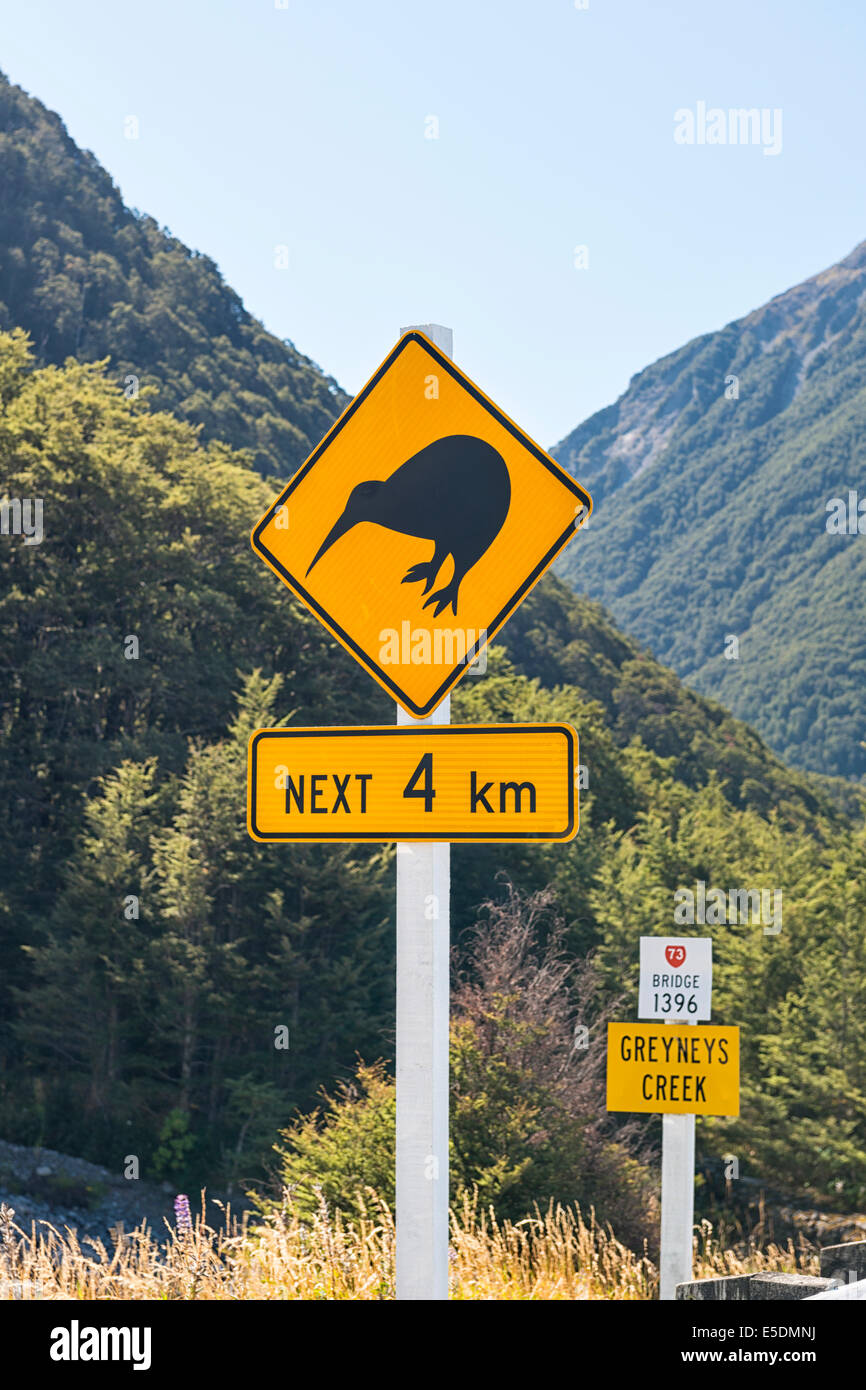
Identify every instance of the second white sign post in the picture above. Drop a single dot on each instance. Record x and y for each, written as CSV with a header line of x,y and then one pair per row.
x,y
676,981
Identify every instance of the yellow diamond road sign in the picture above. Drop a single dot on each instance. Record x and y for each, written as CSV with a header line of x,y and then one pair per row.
x,y
470,782
419,524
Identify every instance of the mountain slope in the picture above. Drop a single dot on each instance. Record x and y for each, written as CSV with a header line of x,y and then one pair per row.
x,y
712,477
87,277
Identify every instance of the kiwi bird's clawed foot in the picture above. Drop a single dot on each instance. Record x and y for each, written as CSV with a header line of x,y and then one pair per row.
x,y
442,598
416,573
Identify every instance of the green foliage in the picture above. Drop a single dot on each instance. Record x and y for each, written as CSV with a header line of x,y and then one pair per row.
x,y
712,517
343,1147
796,993
561,637
124,779
811,1048
88,277
175,1145
527,1117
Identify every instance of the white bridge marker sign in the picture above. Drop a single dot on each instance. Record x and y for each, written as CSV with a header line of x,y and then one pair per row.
x,y
676,977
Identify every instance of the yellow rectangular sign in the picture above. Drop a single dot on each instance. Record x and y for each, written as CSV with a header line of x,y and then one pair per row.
x,y
470,782
673,1069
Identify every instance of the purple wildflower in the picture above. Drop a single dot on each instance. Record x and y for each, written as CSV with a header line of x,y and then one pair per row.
x,y
182,1213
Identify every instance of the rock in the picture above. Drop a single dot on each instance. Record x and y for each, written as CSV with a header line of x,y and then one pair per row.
x,y
93,1200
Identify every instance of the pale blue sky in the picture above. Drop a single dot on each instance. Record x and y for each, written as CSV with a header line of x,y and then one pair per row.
x,y
305,126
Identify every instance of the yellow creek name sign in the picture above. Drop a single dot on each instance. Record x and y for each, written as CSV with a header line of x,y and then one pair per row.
x,y
673,1069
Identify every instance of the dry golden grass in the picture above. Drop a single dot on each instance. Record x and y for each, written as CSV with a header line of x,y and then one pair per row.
x,y
554,1255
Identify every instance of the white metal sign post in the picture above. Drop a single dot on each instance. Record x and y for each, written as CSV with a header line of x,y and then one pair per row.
x,y
676,975
678,1203
423,984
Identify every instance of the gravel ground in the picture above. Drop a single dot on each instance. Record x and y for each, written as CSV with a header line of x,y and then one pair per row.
x,y
43,1185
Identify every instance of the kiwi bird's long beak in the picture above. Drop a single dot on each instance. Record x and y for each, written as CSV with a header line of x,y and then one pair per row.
x,y
337,530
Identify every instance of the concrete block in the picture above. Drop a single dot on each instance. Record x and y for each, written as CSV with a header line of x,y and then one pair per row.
x,y
727,1288
847,1262
850,1293
765,1287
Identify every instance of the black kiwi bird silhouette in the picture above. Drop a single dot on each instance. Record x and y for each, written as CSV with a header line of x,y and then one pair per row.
x,y
454,492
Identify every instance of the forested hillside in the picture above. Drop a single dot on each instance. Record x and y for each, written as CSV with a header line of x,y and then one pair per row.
x,y
90,278
714,478
151,948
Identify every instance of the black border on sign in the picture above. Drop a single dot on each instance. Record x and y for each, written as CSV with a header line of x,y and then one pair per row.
x,y
407,731
445,364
